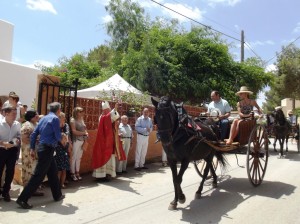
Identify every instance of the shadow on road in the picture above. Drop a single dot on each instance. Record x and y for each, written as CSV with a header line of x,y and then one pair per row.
x,y
230,193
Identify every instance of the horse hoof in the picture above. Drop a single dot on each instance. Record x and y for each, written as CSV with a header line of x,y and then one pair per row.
x,y
172,207
182,200
198,196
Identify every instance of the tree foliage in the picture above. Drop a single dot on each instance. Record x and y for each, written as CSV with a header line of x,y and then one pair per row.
x,y
77,67
163,58
286,78
187,65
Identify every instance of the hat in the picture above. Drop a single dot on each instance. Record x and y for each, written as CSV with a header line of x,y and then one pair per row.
x,y
8,107
278,108
244,89
30,114
105,105
290,112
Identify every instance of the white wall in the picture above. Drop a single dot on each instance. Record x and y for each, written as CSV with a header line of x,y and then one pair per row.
x,y
6,40
20,79
287,104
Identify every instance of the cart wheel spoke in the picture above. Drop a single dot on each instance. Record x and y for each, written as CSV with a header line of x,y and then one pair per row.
x,y
257,155
201,164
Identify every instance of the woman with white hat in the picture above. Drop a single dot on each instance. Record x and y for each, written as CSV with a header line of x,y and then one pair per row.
x,y
245,108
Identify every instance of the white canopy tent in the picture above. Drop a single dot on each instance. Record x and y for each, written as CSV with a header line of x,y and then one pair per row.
x,y
116,87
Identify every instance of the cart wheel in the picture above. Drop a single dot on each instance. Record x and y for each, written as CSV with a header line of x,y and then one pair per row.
x,y
201,164
257,155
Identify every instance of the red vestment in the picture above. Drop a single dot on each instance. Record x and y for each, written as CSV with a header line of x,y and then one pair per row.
x,y
105,143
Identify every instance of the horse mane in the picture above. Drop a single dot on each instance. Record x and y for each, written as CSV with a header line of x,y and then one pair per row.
x,y
280,118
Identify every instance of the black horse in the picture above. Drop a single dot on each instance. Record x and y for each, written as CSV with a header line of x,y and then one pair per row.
x,y
281,129
183,144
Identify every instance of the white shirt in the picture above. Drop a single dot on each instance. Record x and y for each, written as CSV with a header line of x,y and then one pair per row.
x,y
125,130
8,133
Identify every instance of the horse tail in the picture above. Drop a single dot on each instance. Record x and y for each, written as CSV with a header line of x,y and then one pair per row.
x,y
221,159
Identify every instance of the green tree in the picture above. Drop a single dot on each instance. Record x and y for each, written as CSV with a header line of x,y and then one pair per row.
x,y
286,78
288,74
127,17
77,67
102,55
187,65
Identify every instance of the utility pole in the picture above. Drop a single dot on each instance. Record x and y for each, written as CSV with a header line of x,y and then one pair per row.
x,y
242,46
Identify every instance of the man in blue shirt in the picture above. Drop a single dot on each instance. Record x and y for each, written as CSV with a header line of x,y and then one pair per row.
x,y
222,109
143,127
48,129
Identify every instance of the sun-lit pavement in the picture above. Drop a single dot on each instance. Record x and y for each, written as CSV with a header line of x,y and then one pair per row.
x,y
143,197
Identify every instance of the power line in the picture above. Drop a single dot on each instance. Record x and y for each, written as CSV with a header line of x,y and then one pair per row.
x,y
283,50
234,31
206,26
251,49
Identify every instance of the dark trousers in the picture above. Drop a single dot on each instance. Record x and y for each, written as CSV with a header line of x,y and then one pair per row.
x,y
8,159
45,166
224,128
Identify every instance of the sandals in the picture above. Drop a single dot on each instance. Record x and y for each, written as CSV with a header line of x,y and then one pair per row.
x,y
78,176
74,178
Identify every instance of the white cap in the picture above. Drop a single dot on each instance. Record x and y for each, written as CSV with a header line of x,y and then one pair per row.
x,y
278,108
105,105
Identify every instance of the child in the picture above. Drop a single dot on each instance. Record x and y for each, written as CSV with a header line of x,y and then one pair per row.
x,y
61,157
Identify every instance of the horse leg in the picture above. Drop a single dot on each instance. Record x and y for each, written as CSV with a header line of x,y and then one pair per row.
x,y
173,166
274,144
215,178
205,173
281,142
286,143
183,167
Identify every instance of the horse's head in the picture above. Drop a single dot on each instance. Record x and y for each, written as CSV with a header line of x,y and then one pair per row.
x,y
279,117
166,118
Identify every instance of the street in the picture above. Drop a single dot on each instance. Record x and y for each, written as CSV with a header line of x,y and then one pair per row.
x,y
144,197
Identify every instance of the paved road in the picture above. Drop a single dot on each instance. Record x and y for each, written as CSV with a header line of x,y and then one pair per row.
x,y
143,197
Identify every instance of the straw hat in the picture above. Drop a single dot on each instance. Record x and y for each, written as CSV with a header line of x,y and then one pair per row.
x,y
244,89
290,112
105,105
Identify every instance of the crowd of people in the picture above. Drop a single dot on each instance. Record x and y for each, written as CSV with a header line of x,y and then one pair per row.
x,y
50,148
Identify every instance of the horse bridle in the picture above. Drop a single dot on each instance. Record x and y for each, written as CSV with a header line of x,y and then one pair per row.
x,y
168,110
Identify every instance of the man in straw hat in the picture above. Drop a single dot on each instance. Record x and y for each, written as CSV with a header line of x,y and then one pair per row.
x,y
107,146
245,108
292,118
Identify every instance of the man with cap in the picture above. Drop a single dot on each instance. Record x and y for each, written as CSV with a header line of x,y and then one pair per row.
x,y
10,134
292,118
107,146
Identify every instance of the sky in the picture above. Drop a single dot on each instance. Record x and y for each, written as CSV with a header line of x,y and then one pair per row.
x,y
46,30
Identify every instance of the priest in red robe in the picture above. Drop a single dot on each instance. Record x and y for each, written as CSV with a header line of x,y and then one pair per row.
x,y
107,146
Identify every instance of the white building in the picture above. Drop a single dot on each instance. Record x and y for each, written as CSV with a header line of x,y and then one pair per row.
x,y
15,77
287,104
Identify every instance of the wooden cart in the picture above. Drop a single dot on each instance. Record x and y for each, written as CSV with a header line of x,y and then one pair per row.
x,y
253,135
